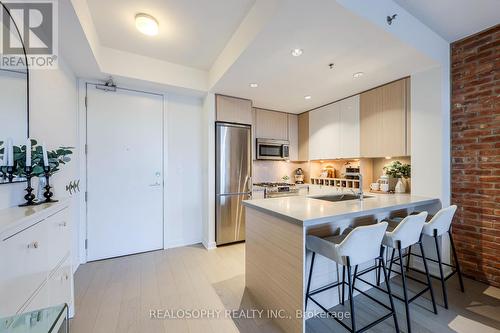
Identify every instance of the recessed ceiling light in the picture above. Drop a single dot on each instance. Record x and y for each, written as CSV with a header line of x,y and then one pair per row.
x,y
307,97
253,85
358,75
297,52
146,24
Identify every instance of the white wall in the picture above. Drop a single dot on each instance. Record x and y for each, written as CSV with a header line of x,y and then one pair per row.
x,y
209,171
184,195
430,135
53,120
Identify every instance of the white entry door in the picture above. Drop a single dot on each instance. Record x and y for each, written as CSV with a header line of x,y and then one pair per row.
x,y
124,172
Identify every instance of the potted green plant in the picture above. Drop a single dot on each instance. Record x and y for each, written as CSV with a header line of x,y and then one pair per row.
x,y
399,171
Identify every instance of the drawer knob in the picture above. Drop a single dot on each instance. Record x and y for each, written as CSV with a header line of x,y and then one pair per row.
x,y
33,245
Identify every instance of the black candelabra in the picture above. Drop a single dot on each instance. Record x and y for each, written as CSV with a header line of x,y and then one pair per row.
x,y
8,173
48,193
29,197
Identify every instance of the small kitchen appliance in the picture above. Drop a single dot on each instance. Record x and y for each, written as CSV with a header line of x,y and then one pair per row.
x,y
299,176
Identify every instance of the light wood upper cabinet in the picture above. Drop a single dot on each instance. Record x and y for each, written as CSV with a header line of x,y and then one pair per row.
x,y
370,123
384,114
271,124
303,136
293,136
233,110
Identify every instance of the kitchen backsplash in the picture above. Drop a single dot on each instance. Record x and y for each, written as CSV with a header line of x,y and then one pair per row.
x,y
273,171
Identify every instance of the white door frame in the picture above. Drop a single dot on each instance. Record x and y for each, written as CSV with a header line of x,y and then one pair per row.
x,y
82,144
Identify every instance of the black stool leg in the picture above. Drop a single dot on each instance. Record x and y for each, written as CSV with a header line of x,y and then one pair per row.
x,y
377,272
390,263
388,286
343,285
405,290
428,276
350,285
408,259
457,264
441,275
310,277
354,278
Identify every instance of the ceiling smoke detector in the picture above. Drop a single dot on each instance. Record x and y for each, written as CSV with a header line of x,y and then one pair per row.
x,y
391,18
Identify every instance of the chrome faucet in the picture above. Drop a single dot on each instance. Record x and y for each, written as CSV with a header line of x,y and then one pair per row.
x,y
360,177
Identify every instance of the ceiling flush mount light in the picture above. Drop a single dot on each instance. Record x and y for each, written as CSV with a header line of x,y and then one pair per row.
x,y
307,97
146,24
358,75
253,85
297,52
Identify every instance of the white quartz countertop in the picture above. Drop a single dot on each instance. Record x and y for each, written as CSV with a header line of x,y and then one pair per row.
x,y
306,210
15,219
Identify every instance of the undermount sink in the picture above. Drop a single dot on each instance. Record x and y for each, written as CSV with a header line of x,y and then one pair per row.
x,y
341,197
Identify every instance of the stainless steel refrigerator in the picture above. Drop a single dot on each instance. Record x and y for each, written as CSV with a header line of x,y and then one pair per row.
x,y
233,181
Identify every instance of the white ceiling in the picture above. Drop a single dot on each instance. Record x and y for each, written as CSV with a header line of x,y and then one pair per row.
x,y
328,33
192,32
454,19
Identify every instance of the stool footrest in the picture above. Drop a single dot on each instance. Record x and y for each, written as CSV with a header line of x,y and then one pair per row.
x,y
367,327
324,288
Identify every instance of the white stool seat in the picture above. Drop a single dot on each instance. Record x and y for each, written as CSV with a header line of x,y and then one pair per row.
x,y
405,233
440,222
361,245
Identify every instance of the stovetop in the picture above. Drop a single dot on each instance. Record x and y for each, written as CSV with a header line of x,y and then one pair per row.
x,y
271,184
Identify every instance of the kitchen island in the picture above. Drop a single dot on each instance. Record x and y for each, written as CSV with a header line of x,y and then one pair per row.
x,y
276,258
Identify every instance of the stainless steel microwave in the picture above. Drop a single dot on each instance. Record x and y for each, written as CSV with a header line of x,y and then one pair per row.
x,y
275,150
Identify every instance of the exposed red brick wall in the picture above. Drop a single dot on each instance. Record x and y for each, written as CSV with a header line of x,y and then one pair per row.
x,y
475,144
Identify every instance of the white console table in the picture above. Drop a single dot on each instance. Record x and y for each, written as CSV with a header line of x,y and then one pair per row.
x,y
35,258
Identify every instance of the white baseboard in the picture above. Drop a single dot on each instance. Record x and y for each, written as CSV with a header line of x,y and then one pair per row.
x,y
181,243
209,245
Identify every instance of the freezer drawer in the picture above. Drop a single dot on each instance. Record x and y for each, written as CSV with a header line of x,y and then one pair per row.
x,y
230,218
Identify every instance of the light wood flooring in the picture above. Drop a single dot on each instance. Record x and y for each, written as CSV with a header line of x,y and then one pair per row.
x,y
117,295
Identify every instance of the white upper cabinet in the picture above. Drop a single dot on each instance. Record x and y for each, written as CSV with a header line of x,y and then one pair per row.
x,y
324,132
271,124
334,130
349,127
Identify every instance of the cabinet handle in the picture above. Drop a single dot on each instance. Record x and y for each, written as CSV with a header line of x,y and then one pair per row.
x,y
33,245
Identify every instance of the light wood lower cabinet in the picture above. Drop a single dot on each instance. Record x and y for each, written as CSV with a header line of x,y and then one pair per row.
x,y
384,120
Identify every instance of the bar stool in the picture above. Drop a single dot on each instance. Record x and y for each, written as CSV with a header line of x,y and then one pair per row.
x,y
401,236
361,245
435,228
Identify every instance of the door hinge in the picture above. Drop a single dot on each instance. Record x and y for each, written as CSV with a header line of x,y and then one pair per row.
x,y
86,149
86,244
86,196
86,101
